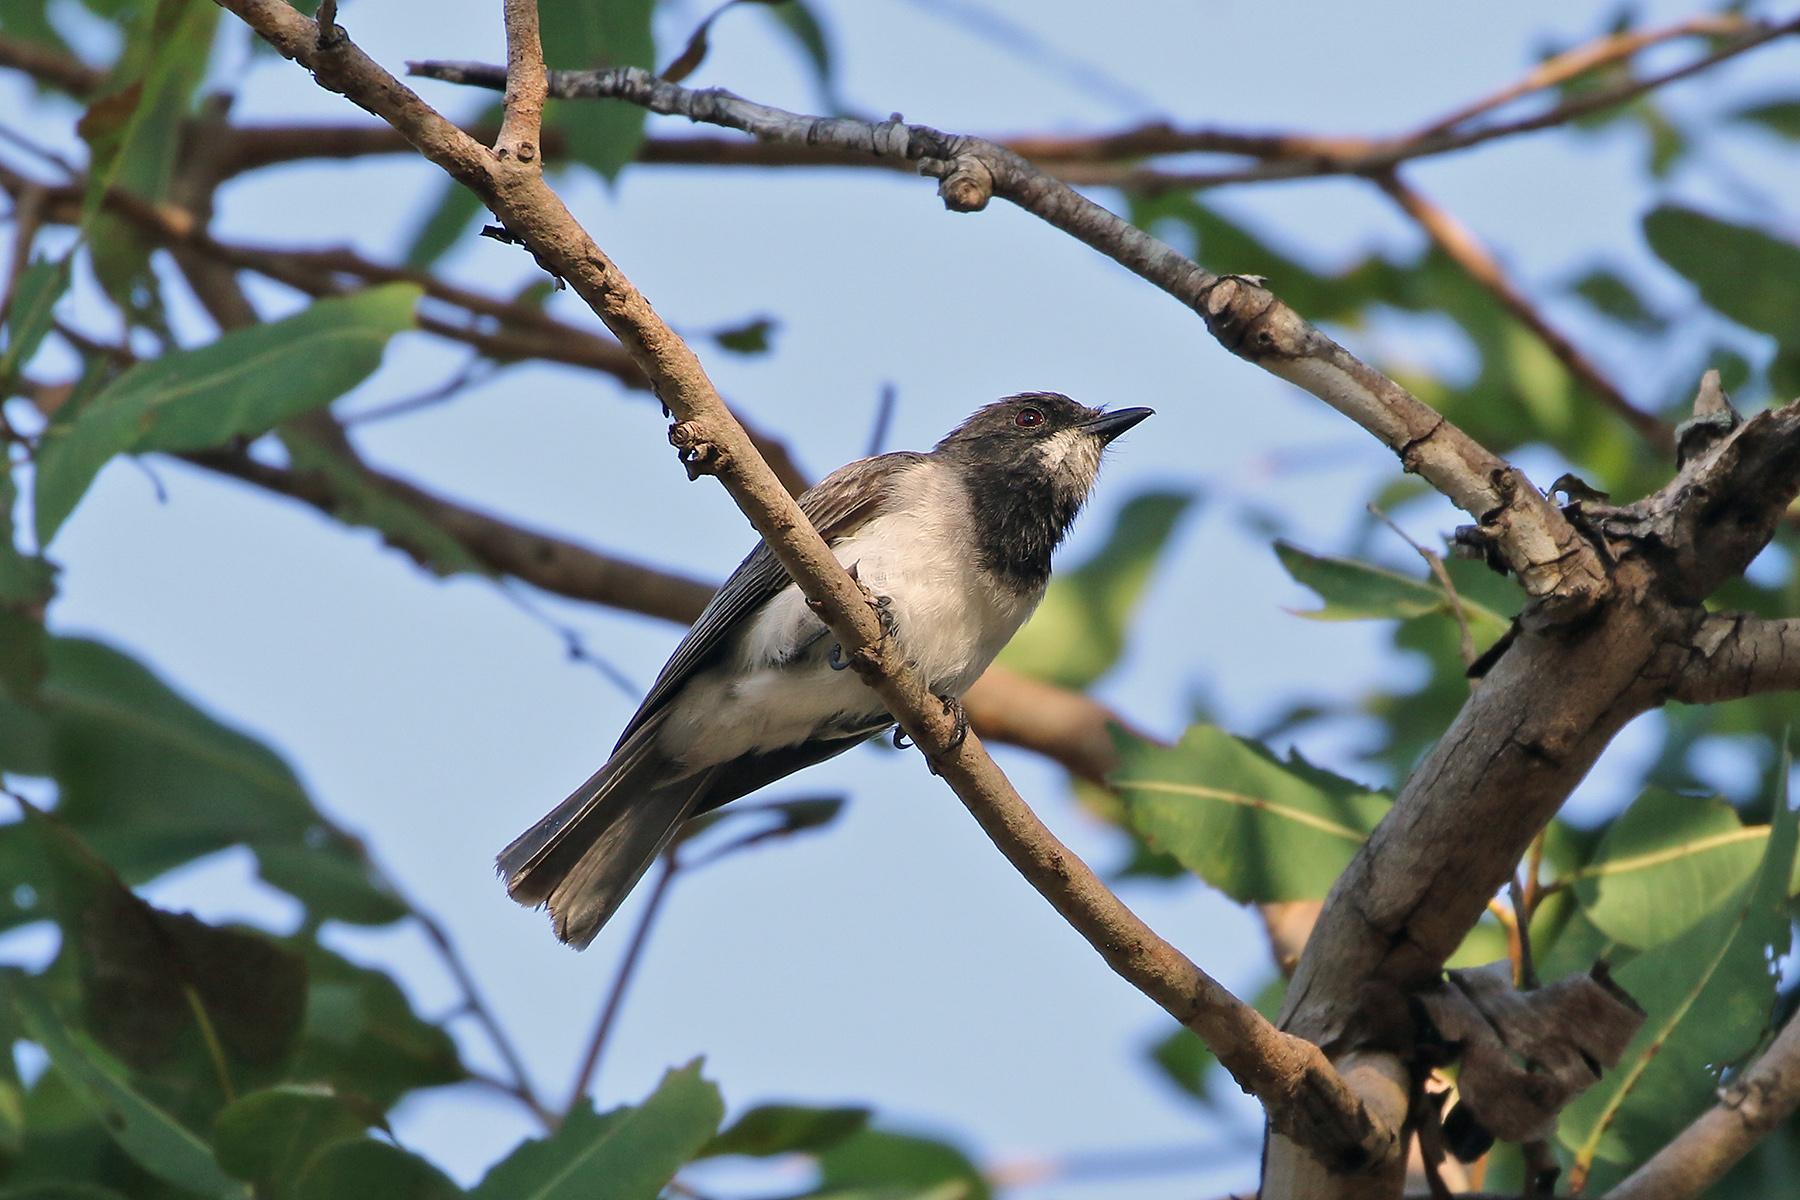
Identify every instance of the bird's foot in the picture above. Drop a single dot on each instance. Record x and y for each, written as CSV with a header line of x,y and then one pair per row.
x,y
884,612
901,741
958,736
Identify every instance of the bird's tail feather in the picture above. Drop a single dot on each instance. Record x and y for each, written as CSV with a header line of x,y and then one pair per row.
x,y
585,856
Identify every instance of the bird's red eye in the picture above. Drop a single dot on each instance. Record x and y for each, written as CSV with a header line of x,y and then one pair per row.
x,y
1028,418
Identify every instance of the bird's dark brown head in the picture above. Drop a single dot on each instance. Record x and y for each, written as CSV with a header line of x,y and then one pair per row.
x,y
1029,462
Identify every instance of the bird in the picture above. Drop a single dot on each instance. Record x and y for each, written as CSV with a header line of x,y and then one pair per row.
x,y
954,544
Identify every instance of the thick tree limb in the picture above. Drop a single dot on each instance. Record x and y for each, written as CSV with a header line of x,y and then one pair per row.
x,y
1302,1092
1749,1109
1733,655
1556,566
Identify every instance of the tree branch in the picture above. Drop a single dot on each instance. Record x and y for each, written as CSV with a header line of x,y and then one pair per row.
x,y
1733,655
1465,249
1749,1109
1556,566
1301,1091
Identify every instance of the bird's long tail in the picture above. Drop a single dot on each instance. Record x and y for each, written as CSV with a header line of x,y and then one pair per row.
x,y
586,856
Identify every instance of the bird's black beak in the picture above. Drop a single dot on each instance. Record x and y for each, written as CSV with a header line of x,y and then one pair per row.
x,y
1108,426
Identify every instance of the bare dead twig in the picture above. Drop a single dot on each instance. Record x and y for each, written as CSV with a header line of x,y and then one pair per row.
x,y
669,867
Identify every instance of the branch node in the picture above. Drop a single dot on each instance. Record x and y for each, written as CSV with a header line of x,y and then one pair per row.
x,y
699,455
1713,418
967,182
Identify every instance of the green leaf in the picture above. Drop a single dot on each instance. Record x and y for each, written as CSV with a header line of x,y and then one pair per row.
x,y
1665,864
60,1191
364,1168
31,314
362,1036
1613,296
1357,591
242,385
450,217
797,18
770,1129
27,583
752,337
584,34
146,975
878,1161
150,1136
358,501
269,1138
1709,994
133,130
1743,273
149,781
1255,828
1780,116
29,21
1078,632
628,1155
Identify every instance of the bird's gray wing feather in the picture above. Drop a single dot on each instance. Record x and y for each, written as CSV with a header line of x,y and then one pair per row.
x,y
837,505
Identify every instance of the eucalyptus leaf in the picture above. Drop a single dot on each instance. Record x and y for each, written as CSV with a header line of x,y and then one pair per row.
x,y
1665,864
153,1139
1358,591
1709,994
628,1155
581,35
362,1035
1253,827
241,385
887,1163
269,1137
770,1129
362,1168
1079,630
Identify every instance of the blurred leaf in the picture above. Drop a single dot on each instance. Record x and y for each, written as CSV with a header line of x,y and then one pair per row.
x,y
630,1154
797,18
29,21
331,874
144,972
1612,295
1708,994
150,781
241,385
749,338
1078,631
1185,1060
365,1169
269,1138
1779,116
27,583
359,502
1665,864
1743,273
362,1036
1255,828
878,1161
133,130
770,1129
449,219
1357,591
31,314
60,1191
581,35
149,1135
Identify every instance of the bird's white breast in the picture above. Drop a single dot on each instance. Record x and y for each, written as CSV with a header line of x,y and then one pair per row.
x,y
951,618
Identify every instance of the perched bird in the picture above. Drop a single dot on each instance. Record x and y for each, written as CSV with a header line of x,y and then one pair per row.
x,y
955,544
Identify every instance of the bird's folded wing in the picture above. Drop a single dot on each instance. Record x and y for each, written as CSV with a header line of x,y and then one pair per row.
x,y
837,506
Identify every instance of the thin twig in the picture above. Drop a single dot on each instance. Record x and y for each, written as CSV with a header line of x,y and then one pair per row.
x,y
615,995
1525,974
1442,574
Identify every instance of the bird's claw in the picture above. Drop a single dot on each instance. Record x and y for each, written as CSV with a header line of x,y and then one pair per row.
x,y
958,736
901,741
884,612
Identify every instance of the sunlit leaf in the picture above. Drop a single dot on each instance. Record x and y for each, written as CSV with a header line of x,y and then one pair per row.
x,y
1255,828
241,385
1665,864
627,1155
1745,274
1079,630
1709,994
150,1136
